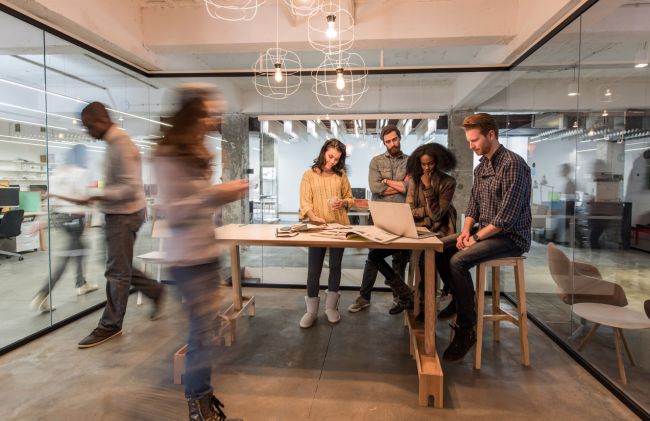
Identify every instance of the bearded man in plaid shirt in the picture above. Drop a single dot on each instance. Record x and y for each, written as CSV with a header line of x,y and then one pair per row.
x,y
497,225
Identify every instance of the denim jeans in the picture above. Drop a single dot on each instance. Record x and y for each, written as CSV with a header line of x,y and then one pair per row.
x,y
376,263
454,266
199,285
316,256
73,226
121,231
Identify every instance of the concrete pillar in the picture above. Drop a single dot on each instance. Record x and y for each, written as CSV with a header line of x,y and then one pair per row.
x,y
234,157
457,144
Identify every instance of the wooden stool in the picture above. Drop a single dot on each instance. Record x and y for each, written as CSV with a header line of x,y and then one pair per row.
x,y
498,314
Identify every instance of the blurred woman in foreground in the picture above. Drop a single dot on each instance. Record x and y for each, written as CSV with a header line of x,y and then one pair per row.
x,y
183,169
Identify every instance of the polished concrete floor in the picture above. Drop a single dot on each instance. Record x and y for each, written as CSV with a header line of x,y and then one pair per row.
x,y
20,280
359,369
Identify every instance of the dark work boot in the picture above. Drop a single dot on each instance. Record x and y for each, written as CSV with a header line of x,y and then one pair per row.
x,y
464,340
403,293
449,311
208,408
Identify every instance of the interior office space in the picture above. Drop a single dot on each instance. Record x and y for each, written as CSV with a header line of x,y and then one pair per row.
x,y
567,80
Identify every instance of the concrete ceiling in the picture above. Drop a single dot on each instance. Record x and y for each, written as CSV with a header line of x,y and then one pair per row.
x,y
160,36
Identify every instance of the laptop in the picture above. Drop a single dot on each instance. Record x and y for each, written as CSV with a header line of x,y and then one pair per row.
x,y
397,219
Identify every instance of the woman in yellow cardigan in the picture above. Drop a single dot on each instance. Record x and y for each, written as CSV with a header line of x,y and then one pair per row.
x,y
325,197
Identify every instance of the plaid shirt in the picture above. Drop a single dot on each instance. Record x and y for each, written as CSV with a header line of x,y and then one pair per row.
x,y
501,196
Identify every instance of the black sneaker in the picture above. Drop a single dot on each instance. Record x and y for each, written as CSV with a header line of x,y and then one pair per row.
x,y
400,306
158,305
464,339
98,336
448,312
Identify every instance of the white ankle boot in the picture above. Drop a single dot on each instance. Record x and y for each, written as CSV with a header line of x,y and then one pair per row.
x,y
332,306
310,316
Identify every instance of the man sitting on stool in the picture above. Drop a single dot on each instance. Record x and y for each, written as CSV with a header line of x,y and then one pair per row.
x,y
500,204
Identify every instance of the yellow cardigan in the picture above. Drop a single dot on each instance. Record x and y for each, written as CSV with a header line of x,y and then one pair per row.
x,y
316,189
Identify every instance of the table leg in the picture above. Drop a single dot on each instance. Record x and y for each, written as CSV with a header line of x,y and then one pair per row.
x,y
429,302
589,335
627,348
619,357
235,275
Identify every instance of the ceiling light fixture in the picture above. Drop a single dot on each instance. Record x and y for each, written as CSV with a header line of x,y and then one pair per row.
x,y
282,65
336,85
605,113
303,7
233,10
340,82
278,72
573,89
330,32
641,57
331,29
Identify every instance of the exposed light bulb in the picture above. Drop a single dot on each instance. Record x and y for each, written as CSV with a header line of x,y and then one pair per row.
x,y
605,114
331,30
340,82
608,92
278,73
573,89
341,98
641,59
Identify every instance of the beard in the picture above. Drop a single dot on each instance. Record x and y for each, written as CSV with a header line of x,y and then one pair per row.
x,y
394,150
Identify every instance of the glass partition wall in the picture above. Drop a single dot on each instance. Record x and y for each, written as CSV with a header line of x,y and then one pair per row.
x,y
576,109
58,271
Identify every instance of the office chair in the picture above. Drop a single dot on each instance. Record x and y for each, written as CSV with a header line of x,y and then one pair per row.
x,y
10,228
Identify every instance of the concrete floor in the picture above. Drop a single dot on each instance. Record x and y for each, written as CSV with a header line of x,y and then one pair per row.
x,y
359,369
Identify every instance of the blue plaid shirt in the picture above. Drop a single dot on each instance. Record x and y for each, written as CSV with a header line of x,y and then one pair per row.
x,y
501,196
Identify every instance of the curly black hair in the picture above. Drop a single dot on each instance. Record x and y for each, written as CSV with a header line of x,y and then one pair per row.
x,y
444,160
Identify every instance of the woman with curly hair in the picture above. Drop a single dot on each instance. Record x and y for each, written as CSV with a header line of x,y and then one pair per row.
x,y
430,194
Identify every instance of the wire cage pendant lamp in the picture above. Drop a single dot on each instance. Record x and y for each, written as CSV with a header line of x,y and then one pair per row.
x,y
277,72
303,7
340,81
330,29
233,10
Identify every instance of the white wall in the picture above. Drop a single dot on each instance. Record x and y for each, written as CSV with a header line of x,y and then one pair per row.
x,y
295,158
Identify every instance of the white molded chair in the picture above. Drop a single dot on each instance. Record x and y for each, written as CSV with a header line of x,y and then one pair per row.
x,y
160,231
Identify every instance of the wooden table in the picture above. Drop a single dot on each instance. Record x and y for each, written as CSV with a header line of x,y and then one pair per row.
x,y
422,340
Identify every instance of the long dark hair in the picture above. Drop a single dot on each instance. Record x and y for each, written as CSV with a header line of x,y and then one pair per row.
x,y
185,139
320,161
443,159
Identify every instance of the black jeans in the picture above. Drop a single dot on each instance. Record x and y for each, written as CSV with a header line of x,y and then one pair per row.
x,y
454,266
199,285
376,263
121,231
316,256
73,226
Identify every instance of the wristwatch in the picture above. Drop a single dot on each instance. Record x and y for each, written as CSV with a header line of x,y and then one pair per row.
x,y
476,238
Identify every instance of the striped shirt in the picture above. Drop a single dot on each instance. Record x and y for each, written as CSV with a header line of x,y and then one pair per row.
x,y
316,189
501,196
